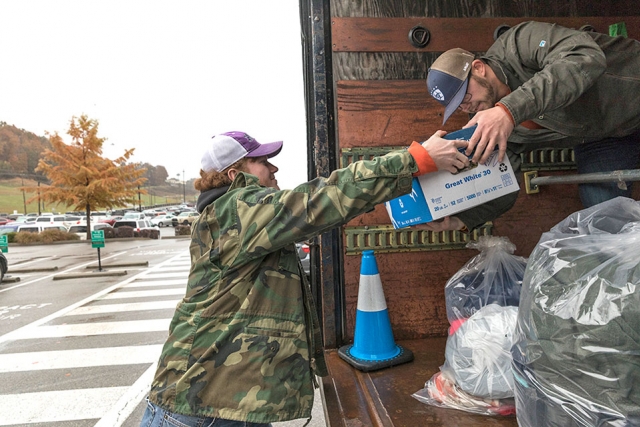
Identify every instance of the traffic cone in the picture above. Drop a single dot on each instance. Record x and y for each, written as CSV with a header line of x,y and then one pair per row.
x,y
373,345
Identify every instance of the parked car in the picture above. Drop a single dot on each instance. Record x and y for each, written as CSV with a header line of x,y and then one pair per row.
x,y
51,219
136,224
185,218
81,229
162,220
9,228
305,257
4,220
133,215
70,220
39,228
4,266
24,219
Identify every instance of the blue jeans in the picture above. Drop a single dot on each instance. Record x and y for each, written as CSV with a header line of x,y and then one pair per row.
x,y
607,155
155,416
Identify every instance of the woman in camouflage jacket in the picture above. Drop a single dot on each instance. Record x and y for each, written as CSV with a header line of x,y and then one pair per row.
x,y
244,344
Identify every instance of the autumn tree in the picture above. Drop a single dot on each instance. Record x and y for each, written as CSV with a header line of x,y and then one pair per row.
x,y
81,178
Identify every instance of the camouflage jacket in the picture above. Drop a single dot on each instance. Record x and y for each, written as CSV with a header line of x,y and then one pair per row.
x,y
241,343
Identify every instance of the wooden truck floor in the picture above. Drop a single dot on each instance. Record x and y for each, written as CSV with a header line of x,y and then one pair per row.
x,y
383,398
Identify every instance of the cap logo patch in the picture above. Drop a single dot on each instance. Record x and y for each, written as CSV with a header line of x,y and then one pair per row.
x,y
466,65
542,43
437,94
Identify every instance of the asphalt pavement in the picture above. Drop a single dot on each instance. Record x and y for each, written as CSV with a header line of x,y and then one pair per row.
x,y
61,312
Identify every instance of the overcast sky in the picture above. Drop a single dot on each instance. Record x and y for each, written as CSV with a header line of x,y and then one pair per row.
x,y
160,76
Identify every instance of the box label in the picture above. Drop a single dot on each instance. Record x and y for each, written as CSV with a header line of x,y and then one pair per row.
x,y
440,194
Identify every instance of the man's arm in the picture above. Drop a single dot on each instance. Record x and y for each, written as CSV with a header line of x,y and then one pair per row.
x,y
562,64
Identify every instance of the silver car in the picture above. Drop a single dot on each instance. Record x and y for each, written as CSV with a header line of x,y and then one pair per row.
x,y
304,254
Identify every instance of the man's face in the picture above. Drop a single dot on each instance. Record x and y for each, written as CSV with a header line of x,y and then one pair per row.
x,y
265,171
480,95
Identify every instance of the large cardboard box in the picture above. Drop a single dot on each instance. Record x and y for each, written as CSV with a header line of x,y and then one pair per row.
x,y
439,194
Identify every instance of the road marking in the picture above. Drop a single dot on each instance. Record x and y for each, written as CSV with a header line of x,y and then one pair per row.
x,y
80,358
115,308
121,410
58,405
17,333
171,282
143,294
160,275
100,328
56,273
110,405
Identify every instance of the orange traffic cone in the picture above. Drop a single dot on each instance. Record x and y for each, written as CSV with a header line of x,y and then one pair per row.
x,y
373,345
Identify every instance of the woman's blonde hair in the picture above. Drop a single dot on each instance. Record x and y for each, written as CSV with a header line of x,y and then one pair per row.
x,y
214,179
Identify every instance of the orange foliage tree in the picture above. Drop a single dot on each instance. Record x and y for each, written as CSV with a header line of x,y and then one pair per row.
x,y
81,178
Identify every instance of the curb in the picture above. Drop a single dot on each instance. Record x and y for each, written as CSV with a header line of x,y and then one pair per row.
x,y
124,264
10,279
117,239
31,270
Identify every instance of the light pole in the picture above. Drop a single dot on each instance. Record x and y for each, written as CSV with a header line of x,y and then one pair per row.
x,y
184,188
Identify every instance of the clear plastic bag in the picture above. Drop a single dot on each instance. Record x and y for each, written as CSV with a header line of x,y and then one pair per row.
x,y
494,276
443,392
576,353
478,354
482,300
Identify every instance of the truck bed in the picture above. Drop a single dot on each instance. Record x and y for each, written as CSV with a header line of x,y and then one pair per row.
x,y
383,398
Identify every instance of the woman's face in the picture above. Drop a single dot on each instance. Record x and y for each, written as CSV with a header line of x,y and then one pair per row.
x,y
264,170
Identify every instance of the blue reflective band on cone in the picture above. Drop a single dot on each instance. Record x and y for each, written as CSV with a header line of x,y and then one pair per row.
x,y
369,265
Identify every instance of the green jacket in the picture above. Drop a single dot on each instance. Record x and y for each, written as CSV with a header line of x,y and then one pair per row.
x,y
244,342
579,86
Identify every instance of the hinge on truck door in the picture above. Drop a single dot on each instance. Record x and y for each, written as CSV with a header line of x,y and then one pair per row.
x,y
384,238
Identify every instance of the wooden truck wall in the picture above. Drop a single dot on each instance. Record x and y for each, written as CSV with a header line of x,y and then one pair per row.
x,y
380,61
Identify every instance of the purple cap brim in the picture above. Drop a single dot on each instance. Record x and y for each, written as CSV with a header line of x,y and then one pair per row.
x,y
455,101
269,149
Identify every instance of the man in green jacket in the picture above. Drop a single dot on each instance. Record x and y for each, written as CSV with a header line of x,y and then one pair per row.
x,y
244,344
543,85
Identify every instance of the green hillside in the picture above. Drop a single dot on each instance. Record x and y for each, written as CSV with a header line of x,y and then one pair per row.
x,y
12,198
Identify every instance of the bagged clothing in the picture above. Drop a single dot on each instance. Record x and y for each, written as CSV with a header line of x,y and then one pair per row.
x,y
494,276
576,353
482,304
478,354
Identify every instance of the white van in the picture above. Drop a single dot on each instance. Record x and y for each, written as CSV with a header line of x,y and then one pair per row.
x,y
38,228
51,219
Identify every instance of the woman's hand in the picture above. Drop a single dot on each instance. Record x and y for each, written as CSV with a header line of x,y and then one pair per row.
x,y
445,153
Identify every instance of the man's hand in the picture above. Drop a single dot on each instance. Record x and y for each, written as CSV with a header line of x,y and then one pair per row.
x,y
446,223
494,127
445,152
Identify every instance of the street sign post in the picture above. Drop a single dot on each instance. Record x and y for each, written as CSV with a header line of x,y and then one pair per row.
x,y
97,241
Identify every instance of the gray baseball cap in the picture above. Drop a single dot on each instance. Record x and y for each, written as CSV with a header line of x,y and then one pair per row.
x,y
448,79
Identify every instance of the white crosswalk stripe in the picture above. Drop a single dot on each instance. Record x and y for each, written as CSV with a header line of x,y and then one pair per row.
x,y
104,315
